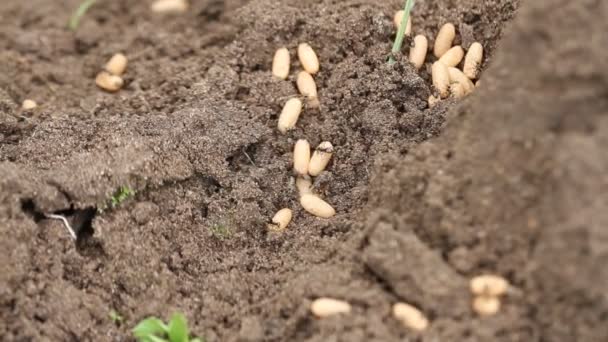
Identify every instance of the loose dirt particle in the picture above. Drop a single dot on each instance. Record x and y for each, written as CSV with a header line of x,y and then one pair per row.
x,y
320,158
453,56
473,60
304,184
109,82
301,157
486,305
281,63
307,87
444,39
457,76
289,115
169,6
418,51
324,307
410,316
397,21
29,104
316,206
117,64
441,78
308,58
281,220
489,285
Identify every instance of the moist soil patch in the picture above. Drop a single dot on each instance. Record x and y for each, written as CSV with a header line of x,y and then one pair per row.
x,y
193,135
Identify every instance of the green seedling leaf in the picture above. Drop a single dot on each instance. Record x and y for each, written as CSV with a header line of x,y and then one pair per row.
x,y
149,327
197,340
152,338
407,8
178,328
115,317
79,13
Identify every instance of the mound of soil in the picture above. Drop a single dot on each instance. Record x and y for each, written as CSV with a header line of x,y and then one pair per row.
x,y
513,181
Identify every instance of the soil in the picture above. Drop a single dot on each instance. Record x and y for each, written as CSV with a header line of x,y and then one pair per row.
x,y
511,180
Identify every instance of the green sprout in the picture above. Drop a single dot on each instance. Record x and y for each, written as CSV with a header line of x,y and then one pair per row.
x,y
123,194
407,8
153,329
79,13
116,317
221,231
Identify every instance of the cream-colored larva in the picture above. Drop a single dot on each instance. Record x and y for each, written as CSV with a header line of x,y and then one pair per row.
x,y
280,220
289,115
456,76
169,6
444,39
397,21
453,56
316,206
109,82
489,285
117,64
301,157
304,184
320,158
441,79
418,51
323,307
486,305
433,101
308,58
29,104
307,87
410,317
457,90
281,63
473,60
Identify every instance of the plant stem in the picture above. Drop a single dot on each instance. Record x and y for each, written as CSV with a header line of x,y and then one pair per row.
x,y
80,11
407,8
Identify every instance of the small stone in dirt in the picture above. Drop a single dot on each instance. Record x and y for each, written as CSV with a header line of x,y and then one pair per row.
x,y
169,6
486,305
410,316
324,307
29,104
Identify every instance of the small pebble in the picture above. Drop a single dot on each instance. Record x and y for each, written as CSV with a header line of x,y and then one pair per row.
x,y
410,316
308,58
444,39
281,63
324,307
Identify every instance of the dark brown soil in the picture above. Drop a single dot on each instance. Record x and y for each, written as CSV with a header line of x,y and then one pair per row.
x,y
510,181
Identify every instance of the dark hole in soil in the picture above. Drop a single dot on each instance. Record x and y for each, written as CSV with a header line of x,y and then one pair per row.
x,y
29,208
